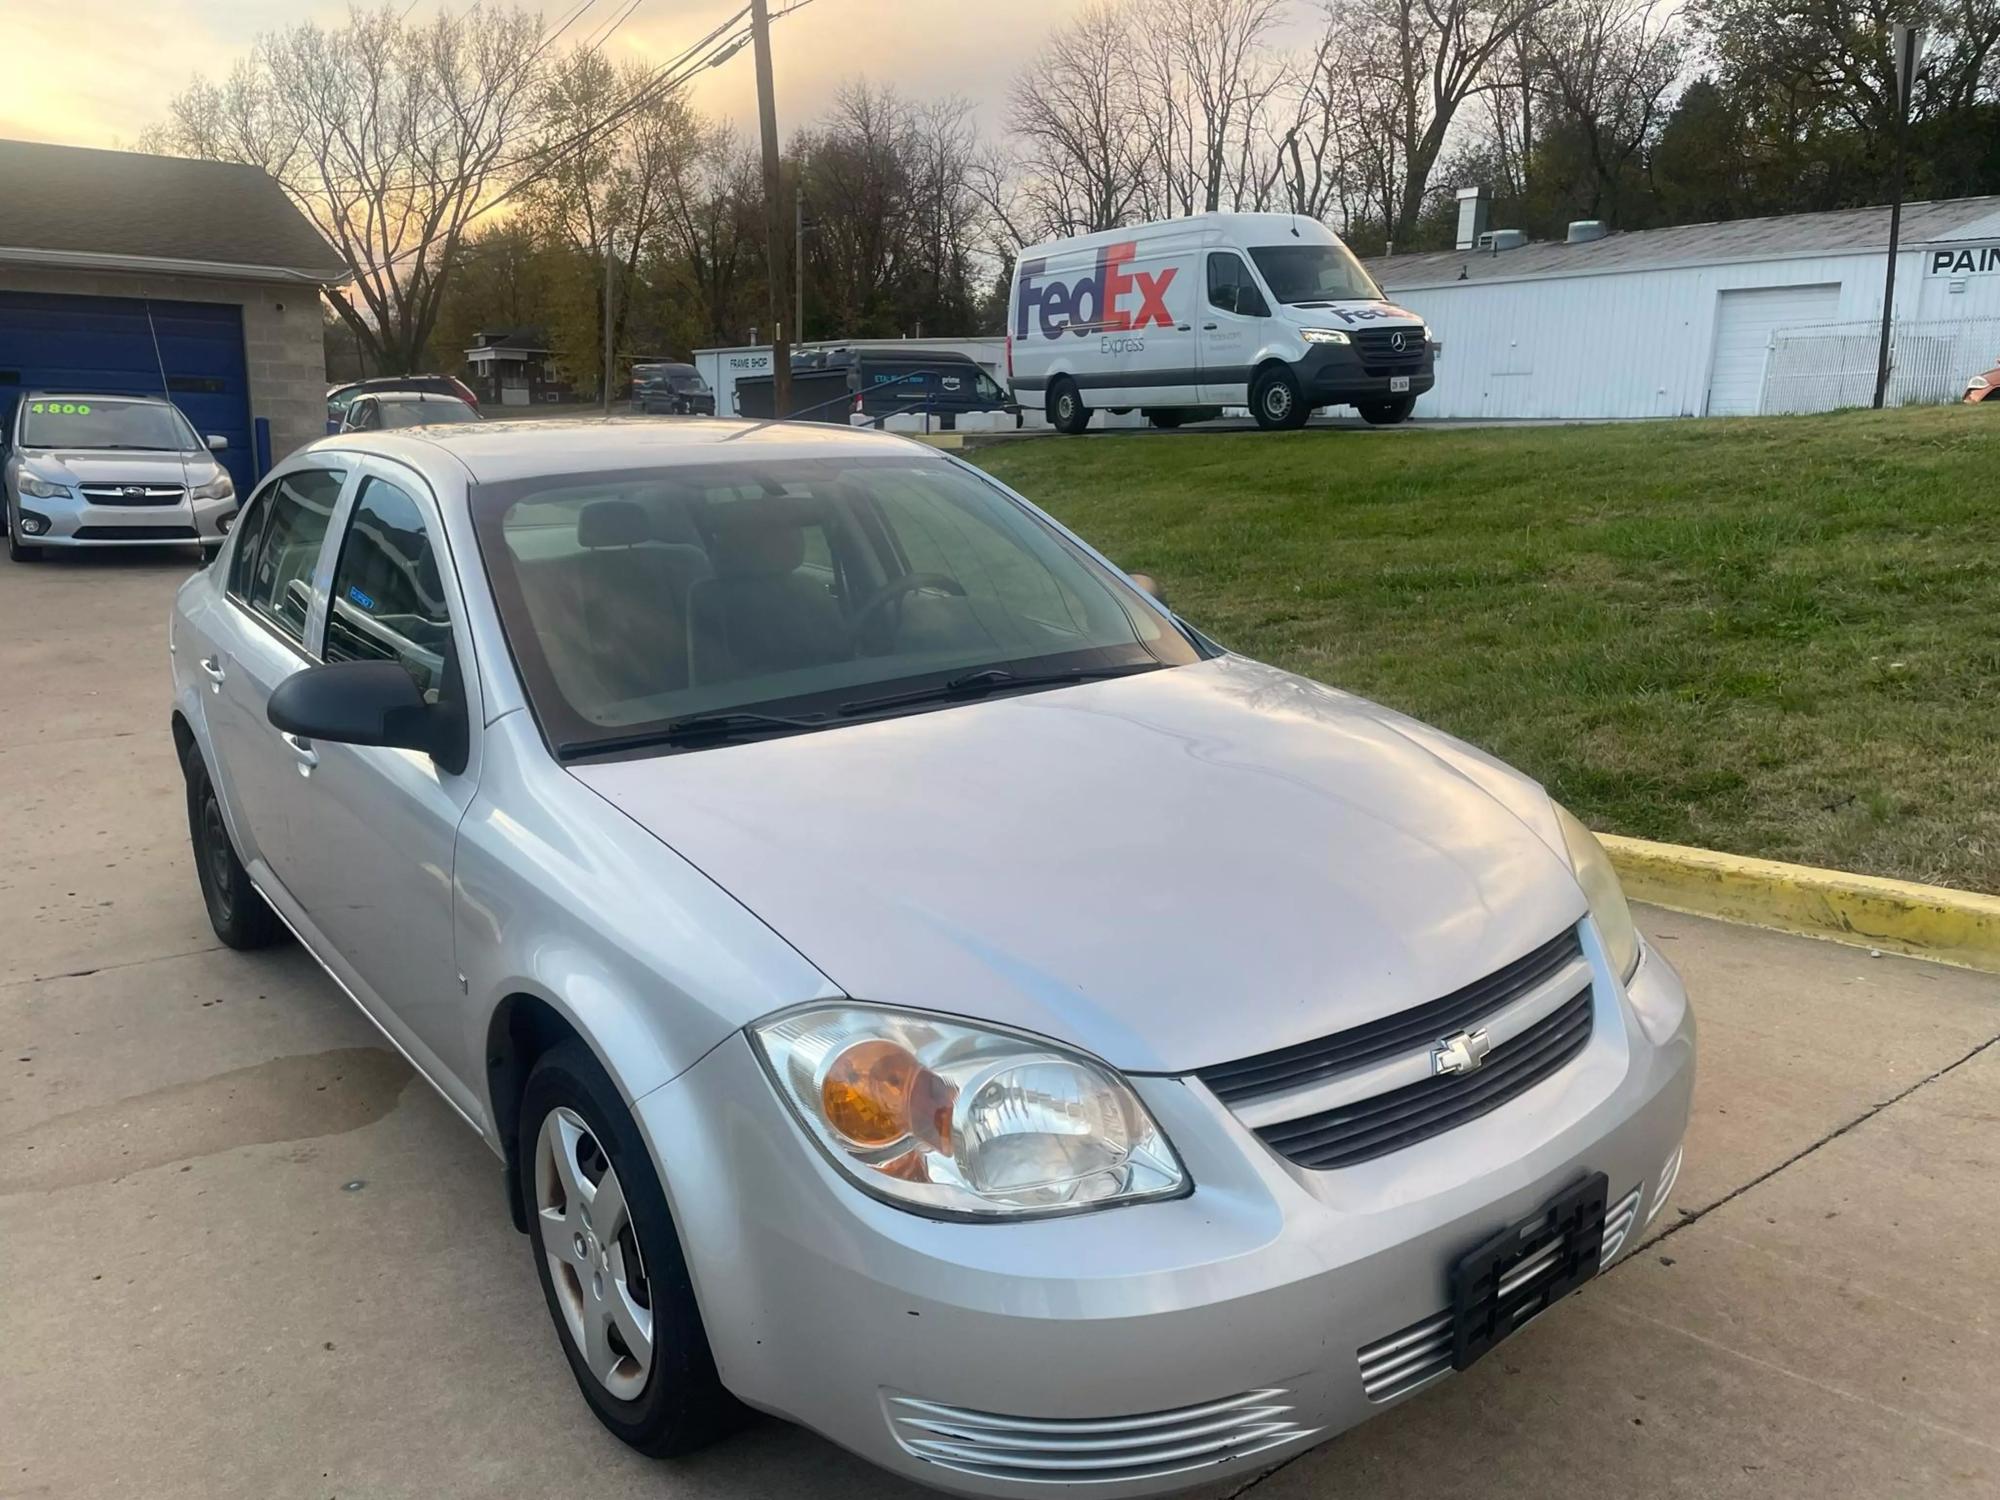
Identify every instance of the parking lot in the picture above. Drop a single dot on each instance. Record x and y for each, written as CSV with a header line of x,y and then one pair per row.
x,y
245,1252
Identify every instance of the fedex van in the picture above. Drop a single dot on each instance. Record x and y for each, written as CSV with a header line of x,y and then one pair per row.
x,y
1184,317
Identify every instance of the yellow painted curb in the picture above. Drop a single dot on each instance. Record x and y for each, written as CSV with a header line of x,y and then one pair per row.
x,y
939,439
1897,916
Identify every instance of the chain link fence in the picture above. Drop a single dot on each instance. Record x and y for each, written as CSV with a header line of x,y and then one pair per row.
x,y
1830,365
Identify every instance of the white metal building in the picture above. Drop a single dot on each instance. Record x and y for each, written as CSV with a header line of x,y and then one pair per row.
x,y
1754,315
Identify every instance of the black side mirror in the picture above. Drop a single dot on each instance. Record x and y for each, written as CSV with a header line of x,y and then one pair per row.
x,y
368,703
1150,585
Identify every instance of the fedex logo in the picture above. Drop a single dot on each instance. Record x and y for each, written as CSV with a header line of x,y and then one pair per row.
x,y
1095,303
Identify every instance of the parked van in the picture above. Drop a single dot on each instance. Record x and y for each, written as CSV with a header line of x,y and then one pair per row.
x,y
1184,317
878,383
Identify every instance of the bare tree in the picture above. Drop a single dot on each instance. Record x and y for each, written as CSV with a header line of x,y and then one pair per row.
x,y
1607,70
390,137
1415,63
712,223
1080,155
1208,72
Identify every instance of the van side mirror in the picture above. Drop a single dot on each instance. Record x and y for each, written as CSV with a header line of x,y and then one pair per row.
x,y
1150,585
217,442
367,703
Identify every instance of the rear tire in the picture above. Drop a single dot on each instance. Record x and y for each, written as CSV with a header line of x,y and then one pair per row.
x,y
1387,413
1277,402
1166,419
235,910
1067,413
576,1129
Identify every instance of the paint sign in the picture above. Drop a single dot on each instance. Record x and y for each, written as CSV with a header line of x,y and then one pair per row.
x,y
1962,260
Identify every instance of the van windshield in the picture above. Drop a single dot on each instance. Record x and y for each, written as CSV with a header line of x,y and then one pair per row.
x,y
1314,273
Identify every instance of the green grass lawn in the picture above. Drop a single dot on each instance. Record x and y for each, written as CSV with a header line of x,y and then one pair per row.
x,y
1778,637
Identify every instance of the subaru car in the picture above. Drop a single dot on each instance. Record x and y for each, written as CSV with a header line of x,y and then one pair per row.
x,y
87,470
911,981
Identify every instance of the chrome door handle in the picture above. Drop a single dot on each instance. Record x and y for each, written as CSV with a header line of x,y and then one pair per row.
x,y
302,749
212,666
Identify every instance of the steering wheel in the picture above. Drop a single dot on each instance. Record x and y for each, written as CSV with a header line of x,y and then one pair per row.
x,y
895,589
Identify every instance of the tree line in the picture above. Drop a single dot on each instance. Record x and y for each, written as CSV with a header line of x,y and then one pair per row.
x,y
476,171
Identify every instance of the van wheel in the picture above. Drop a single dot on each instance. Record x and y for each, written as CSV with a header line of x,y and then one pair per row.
x,y
1167,419
1067,413
1387,413
1276,401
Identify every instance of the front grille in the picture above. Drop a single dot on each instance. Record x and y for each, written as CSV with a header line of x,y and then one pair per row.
x,y
1401,1117
135,533
1094,1450
1406,1030
1380,357
123,494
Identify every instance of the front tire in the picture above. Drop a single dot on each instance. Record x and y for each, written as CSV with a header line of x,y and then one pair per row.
x,y
610,1262
1067,413
1387,413
1277,402
235,910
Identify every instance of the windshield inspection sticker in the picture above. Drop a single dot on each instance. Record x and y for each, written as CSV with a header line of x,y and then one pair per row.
x,y
360,598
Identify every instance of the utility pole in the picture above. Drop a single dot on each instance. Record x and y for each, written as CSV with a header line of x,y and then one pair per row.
x,y
609,261
774,211
1906,47
798,264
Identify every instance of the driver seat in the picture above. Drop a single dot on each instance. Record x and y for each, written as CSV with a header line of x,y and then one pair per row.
x,y
758,613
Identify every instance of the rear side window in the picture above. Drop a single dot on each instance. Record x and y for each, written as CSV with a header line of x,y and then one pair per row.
x,y
275,578
387,601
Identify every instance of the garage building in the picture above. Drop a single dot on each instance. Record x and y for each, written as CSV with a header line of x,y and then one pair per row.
x,y
1754,315
122,272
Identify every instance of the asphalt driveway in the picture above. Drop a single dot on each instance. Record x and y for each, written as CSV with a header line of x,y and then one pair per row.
x,y
245,1252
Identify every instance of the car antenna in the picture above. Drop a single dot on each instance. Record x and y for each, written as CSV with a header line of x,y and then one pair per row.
x,y
1295,226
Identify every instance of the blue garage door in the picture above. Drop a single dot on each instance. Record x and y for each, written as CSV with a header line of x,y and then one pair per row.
x,y
109,345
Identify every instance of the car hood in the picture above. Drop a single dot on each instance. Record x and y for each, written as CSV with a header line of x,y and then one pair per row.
x,y
1354,313
112,466
1169,870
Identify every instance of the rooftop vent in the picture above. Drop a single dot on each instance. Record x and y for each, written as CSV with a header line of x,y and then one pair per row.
x,y
1583,231
1495,240
1472,206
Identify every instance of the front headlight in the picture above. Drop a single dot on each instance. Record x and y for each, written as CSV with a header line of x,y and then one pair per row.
x,y
1977,383
1605,894
42,489
1324,336
222,487
958,1121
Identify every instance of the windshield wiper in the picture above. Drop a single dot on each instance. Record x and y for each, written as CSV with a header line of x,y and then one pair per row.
x,y
695,727
994,679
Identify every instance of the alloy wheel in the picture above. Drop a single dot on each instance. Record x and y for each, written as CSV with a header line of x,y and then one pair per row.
x,y
593,1251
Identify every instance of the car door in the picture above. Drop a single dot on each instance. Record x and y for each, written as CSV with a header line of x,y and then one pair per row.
x,y
370,854
259,639
1232,318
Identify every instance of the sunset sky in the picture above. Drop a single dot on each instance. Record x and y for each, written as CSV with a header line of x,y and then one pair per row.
x,y
97,72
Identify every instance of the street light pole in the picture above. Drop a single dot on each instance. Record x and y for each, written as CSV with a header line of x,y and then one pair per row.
x,y
774,212
1906,46
608,255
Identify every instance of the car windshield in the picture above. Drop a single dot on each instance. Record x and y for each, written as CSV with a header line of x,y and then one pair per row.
x,y
1314,273
798,588
106,422
425,413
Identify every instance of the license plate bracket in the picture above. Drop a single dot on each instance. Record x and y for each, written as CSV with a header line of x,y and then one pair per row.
x,y
1499,1286
1398,384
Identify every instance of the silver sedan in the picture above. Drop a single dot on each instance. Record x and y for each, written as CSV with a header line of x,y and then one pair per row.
x,y
914,983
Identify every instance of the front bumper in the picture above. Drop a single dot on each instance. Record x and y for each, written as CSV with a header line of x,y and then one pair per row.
x,y
1335,375
72,521
966,1356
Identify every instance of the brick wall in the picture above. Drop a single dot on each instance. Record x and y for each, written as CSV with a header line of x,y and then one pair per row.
x,y
281,335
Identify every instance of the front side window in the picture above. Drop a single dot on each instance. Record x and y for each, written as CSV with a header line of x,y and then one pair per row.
x,y
106,422
1314,273
803,587
1230,287
276,581
387,599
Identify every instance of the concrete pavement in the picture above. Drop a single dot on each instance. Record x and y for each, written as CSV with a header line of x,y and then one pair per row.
x,y
244,1252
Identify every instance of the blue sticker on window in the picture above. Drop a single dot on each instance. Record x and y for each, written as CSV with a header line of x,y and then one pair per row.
x,y
359,598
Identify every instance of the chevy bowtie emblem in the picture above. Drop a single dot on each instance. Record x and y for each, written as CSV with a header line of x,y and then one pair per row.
x,y
1398,342
1463,1053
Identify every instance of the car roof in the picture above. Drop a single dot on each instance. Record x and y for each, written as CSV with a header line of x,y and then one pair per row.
x,y
412,396
499,452
94,396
